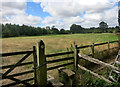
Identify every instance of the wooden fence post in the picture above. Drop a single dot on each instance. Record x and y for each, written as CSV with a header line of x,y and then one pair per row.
x,y
93,52
35,64
76,51
108,45
119,42
42,67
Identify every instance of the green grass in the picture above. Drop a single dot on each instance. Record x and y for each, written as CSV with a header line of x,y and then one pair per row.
x,y
54,43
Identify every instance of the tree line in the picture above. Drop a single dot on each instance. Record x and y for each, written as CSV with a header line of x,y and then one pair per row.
x,y
13,30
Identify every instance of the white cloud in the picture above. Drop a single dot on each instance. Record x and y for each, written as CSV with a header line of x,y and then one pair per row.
x,y
111,16
93,16
14,12
25,19
12,8
63,13
73,12
62,22
75,7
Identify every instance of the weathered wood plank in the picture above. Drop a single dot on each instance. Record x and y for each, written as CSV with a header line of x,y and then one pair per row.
x,y
95,74
114,41
18,74
22,64
96,44
14,83
15,53
55,67
102,67
105,43
54,82
80,47
59,54
17,80
58,60
97,61
68,72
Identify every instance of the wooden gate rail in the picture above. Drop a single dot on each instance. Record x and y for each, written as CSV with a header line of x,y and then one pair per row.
x,y
18,82
15,53
22,64
18,74
86,46
59,60
55,67
13,66
59,54
99,44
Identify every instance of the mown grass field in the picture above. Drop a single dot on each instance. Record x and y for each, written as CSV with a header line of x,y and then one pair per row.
x,y
54,43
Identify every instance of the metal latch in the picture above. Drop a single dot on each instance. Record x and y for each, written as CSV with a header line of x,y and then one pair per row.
x,y
40,65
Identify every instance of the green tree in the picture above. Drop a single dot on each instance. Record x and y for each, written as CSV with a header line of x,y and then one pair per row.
x,y
76,28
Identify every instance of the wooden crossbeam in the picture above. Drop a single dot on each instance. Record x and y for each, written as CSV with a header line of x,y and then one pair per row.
x,y
17,80
95,74
19,74
15,83
98,61
14,53
102,67
13,67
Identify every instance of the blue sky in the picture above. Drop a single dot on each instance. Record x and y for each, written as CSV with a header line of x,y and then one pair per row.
x,y
35,10
61,13
119,4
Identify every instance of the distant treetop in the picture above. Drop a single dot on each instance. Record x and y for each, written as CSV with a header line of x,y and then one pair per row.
x,y
103,25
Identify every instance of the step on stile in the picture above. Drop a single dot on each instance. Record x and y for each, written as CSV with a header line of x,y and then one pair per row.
x,y
54,82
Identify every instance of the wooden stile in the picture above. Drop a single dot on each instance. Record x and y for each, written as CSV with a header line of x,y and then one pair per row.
x,y
41,62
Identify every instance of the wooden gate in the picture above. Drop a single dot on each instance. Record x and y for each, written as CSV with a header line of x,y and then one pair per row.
x,y
10,68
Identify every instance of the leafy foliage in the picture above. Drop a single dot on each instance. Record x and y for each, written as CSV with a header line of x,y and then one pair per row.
x,y
9,30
